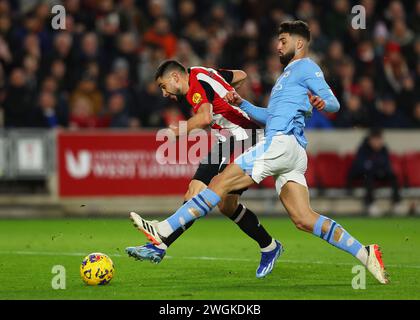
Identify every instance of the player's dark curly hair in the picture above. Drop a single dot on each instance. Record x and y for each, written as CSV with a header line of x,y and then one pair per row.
x,y
169,65
297,27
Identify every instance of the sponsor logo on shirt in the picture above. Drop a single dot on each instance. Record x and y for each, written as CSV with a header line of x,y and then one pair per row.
x,y
196,98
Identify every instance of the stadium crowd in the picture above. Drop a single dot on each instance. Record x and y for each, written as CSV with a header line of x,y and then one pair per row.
x,y
98,72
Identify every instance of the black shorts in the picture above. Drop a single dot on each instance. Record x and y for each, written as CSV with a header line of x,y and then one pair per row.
x,y
220,156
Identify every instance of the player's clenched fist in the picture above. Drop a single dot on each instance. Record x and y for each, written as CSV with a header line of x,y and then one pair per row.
x,y
316,101
233,97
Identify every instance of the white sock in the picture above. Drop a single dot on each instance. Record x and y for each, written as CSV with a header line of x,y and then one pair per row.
x,y
270,247
362,255
162,246
164,228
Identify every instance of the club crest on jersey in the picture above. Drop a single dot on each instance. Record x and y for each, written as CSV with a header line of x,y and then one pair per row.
x,y
196,98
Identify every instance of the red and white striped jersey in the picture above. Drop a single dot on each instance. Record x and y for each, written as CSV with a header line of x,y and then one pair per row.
x,y
209,86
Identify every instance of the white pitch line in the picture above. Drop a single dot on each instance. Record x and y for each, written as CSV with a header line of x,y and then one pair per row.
x,y
81,254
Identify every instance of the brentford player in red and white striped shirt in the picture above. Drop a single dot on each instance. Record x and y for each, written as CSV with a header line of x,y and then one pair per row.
x,y
203,89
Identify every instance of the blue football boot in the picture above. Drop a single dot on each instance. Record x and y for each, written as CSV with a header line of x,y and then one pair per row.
x,y
268,259
147,252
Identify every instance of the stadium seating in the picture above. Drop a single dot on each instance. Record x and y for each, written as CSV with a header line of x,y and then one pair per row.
x,y
330,170
311,172
397,166
411,167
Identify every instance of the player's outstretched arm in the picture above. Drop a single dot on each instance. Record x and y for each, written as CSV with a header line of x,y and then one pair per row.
x,y
257,113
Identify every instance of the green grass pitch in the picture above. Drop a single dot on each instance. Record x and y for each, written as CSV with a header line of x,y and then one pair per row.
x,y
213,260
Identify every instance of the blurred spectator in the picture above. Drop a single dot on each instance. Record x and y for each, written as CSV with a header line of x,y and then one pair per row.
x,y
186,55
380,38
365,58
394,11
305,10
367,93
131,17
318,40
127,51
151,57
31,68
87,88
160,34
213,53
18,101
186,14
372,164
389,116
90,53
82,114
395,68
45,114
332,59
400,33
353,114
79,15
344,81
197,36
117,111
336,19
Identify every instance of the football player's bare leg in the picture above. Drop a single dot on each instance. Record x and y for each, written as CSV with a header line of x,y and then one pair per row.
x,y
231,179
295,198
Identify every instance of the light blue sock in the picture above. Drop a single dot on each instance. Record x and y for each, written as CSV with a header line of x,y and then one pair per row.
x,y
345,242
193,209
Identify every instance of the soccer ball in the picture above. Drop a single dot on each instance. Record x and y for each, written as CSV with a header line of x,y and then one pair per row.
x,y
97,269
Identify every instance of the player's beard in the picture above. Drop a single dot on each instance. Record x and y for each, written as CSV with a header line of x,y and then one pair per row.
x,y
285,59
178,94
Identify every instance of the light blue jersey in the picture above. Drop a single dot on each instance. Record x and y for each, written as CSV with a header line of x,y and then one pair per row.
x,y
289,103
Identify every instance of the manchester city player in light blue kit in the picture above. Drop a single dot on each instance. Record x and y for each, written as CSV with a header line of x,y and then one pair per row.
x,y
280,154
